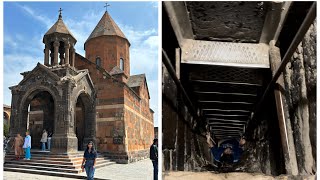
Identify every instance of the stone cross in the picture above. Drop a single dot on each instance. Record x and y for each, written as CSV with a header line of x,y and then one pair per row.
x,y
106,6
60,15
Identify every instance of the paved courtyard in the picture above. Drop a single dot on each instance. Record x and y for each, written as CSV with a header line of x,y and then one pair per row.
x,y
134,171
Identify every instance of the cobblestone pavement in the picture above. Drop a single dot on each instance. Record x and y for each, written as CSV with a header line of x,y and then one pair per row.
x,y
21,176
133,171
180,175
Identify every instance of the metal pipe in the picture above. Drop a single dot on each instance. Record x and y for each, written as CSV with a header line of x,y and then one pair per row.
x,y
293,46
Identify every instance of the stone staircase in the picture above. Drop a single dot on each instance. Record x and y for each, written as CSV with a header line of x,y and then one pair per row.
x,y
46,163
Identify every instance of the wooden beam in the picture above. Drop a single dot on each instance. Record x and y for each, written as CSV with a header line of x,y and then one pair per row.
x,y
287,141
179,19
274,21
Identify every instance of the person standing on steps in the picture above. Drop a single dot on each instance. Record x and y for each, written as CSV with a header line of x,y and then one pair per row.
x,y
49,140
17,144
154,158
44,140
27,146
89,161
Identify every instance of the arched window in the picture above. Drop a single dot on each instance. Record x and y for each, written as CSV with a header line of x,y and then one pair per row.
x,y
121,64
98,61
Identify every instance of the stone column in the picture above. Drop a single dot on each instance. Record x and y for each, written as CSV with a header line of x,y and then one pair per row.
x,y
90,116
56,49
73,54
46,55
51,57
66,58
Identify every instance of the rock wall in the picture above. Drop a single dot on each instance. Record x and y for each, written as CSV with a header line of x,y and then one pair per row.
x,y
183,148
300,81
263,151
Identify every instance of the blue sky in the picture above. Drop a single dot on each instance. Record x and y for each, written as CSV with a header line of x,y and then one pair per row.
x,y
26,22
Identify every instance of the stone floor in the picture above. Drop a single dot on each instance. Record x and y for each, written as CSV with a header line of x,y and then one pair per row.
x,y
134,171
181,175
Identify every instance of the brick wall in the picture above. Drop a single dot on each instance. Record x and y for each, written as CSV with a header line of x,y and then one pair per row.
x,y
124,121
110,49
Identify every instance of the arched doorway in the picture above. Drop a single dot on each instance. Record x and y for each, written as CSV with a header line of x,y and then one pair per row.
x,y
38,113
84,120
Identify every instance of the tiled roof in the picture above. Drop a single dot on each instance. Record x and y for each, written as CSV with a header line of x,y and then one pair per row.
x,y
136,80
59,27
116,70
106,26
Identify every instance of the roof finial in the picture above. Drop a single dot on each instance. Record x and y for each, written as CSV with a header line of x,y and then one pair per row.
x,y
106,6
60,15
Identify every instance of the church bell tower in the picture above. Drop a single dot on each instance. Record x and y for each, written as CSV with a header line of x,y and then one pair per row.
x,y
59,45
108,47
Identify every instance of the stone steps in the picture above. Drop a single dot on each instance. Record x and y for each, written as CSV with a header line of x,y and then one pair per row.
x,y
73,165
7,160
49,158
51,164
49,173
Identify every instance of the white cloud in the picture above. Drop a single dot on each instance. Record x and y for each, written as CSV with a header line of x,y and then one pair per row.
x,y
43,19
14,64
8,40
154,4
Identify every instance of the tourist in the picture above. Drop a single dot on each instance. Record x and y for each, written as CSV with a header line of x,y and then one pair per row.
x,y
89,160
154,158
44,140
49,140
27,146
228,153
17,144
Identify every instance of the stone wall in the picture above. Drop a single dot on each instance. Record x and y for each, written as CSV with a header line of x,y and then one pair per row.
x,y
110,49
183,149
263,149
125,127
300,82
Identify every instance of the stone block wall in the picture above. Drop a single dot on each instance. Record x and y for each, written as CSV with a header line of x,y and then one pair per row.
x,y
110,49
124,127
300,81
138,126
183,148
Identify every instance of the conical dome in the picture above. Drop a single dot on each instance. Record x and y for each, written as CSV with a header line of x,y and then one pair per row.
x,y
106,26
59,27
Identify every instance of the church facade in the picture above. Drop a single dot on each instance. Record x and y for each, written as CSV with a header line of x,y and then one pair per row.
x,y
86,98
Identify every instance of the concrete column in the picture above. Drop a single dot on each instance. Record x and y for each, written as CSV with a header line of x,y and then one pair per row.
x,y
56,49
46,55
66,58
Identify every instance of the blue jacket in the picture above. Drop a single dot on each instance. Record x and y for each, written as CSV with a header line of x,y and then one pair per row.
x,y
233,144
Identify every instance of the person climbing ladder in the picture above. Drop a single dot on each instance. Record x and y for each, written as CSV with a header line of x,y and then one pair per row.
x,y
227,153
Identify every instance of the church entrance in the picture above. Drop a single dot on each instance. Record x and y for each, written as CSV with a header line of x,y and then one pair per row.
x,y
38,113
48,99
80,127
83,120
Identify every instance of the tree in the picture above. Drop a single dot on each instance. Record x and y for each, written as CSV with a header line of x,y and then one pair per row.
x,y
5,129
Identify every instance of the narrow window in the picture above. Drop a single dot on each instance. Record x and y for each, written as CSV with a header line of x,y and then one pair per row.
x,y
98,61
121,64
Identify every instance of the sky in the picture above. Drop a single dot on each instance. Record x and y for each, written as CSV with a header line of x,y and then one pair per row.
x,y
25,23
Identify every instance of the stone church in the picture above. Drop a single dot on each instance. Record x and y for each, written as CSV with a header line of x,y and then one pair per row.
x,y
86,98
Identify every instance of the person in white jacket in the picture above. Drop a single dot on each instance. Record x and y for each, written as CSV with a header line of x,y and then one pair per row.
x,y
44,140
